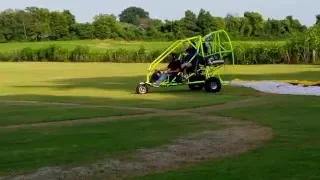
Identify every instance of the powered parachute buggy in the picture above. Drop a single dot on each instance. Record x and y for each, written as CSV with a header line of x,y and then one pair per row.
x,y
205,57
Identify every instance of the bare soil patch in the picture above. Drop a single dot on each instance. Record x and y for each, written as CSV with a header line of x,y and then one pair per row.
x,y
237,137
63,104
208,145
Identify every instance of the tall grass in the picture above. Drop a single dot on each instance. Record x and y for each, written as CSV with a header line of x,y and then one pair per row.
x,y
292,52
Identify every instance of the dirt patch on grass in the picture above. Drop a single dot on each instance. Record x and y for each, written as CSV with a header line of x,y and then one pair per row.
x,y
237,137
100,45
202,146
64,104
80,121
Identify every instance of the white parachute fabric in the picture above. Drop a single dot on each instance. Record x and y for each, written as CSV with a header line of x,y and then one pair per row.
x,y
279,87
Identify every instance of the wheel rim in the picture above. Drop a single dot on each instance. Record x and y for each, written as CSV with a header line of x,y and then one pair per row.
x,y
142,89
213,85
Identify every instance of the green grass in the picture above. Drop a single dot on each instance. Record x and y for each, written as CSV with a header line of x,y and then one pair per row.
x,y
26,149
114,84
96,83
292,154
24,114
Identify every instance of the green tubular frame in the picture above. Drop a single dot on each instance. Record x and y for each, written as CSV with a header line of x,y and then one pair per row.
x,y
168,51
217,48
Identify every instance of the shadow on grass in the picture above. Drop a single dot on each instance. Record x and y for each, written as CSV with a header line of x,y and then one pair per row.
x,y
164,98
167,98
128,84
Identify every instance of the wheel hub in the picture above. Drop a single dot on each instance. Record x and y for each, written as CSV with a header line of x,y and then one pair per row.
x,y
142,89
213,85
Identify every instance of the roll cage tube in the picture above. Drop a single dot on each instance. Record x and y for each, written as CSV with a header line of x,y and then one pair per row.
x,y
217,45
219,42
171,49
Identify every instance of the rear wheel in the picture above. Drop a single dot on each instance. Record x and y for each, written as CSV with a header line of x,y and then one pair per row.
x,y
142,89
213,85
198,86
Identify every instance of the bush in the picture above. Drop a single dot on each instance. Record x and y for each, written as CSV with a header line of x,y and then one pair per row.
x,y
260,53
296,50
80,54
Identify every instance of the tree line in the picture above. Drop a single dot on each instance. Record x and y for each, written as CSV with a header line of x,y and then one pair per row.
x,y
135,23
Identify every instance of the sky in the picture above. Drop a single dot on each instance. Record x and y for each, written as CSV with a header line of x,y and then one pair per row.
x,y
85,10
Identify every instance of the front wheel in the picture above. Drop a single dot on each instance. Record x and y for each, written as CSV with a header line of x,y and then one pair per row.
x,y
142,89
213,85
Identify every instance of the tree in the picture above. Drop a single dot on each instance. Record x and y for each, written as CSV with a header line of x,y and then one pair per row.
x,y
291,26
172,29
151,27
58,26
84,30
40,23
256,22
218,23
233,24
132,15
105,26
71,21
205,22
246,28
36,24
318,19
8,25
189,24
273,28
2,38
156,23
130,31
24,24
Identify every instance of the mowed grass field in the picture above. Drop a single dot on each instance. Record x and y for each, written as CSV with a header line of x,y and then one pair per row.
x,y
74,115
102,45
94,45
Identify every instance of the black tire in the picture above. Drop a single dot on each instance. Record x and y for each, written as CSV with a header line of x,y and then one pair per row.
x,y
213,85
199,86
142,89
